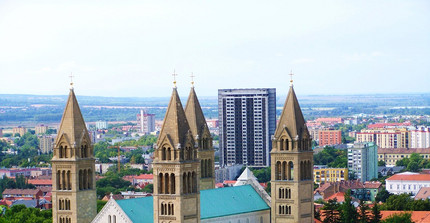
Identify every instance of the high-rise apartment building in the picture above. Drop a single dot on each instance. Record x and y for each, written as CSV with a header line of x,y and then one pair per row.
x,y
20,130
420,137
363,161
1,133
329,137
385,138
247,121
46,143
146,122
41,129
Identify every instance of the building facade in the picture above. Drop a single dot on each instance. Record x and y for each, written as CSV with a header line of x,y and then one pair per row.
x,y
247,120
407,182
325,175
46,143
146,122
327,137
292,165
385,138
363,161
420,137
101,125
73,179
391,156
20,130
41,129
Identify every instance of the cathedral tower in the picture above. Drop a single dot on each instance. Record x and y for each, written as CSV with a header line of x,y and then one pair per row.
x,y
73,184
292,166
176,169
203,138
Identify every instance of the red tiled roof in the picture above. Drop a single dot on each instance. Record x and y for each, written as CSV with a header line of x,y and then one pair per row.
x,y
340,197
229,181
403,150
40,182
382,125
219,185
21,191
410,177
417,216
372,184
145,176
423,193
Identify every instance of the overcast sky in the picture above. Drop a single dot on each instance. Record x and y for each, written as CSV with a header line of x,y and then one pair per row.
x,y
130,48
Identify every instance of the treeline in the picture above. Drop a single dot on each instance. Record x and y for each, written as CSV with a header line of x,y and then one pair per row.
x,y
414,163
20,182
332,157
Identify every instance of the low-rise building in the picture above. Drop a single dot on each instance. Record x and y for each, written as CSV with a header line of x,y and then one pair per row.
x,y
363,191
407,182
391,156
325,174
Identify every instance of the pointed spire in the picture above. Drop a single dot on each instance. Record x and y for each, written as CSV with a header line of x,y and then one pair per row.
x,y
291,118
72,123
195,116
175,124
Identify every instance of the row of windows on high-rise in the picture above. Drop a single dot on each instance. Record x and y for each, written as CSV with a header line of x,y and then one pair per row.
x,y
63,204
167,183
167,209
65,152
206,168
65,220
286,145
170,154
64,180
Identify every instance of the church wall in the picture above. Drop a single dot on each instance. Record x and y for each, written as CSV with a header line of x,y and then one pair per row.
x,y
113,211
253,217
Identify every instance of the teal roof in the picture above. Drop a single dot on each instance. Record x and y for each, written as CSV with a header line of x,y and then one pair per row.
x,y
230,201
138,209
213,203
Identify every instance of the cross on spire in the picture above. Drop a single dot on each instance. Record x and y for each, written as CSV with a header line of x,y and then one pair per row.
x,y
174,78
71,80
291,76
192,79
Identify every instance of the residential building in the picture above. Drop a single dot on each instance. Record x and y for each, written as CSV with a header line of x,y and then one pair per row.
x,y
313,131
101,125
212,123
407,182
363,191
391,156
328,137
17,194
20,130
326,174
247,119
1,133
46,143
41,129
73,176
227,172
385,138
330,121
292,166
363,161
420,137
146,122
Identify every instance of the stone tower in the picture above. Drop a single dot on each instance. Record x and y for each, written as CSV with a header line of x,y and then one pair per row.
x,y
292,166
203,138
176,169
73,184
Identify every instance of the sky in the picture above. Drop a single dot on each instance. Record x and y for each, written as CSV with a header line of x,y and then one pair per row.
x,y
131,48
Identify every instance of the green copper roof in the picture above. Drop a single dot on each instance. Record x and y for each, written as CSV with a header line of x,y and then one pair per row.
x,y
138,209
214,203
230,201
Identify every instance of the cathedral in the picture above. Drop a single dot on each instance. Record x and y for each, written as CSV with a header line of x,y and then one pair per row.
x,y
184,173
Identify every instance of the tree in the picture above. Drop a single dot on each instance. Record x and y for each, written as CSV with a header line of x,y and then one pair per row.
x,y
381,163
399,218
19,213
383,195
100,205
348,213
331,211
317,214
149,188
376,214
363,218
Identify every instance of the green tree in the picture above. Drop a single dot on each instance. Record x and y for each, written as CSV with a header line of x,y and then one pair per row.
x,y
100,205
331,211
381,163
149,188
363,208
21,214
376,214
348,212
399,218
382,196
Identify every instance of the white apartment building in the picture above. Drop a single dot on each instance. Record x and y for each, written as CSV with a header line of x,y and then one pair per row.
x,y
407,182
420,137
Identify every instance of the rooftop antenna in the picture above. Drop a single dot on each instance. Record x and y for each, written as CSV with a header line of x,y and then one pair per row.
x,y
71,80
174,78
192,79
291,80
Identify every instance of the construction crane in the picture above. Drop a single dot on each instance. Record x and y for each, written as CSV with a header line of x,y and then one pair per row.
x,y
119,157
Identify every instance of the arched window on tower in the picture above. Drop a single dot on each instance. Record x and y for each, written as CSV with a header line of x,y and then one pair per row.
x,y
278,170
81,180
281,144
69,180
166,183
168,154
160,183
194,178
184,183
284,170
66,151
63,180
190,186
58,180
172,184
209,168
90,179
291,170
163,153
60,152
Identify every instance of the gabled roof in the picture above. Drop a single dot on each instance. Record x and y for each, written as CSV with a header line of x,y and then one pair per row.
x,y
423,193
291,118
410,177
175,124
21,191
72,123
416,216
213,203
195,116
